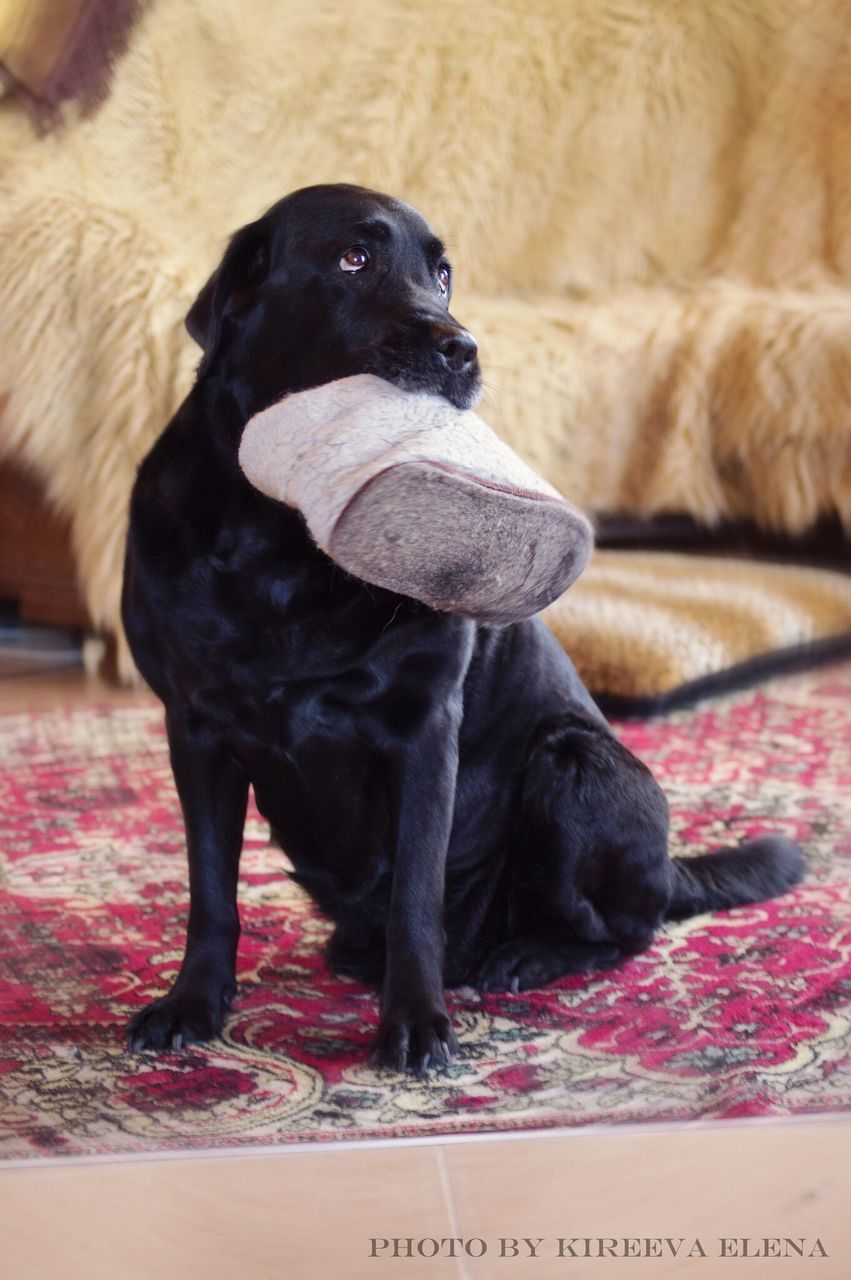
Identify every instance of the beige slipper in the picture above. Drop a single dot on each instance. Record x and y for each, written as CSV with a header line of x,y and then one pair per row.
x,y
409,493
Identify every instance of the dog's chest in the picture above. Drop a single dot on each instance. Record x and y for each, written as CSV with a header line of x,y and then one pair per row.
x,y
299,719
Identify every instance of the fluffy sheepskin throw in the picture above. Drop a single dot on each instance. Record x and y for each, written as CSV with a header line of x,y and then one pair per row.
x,y
412,494
647,204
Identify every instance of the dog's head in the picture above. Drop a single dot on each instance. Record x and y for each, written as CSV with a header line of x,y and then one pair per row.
x,y
334,281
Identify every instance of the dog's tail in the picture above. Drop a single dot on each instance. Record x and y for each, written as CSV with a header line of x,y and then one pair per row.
x,y
752,872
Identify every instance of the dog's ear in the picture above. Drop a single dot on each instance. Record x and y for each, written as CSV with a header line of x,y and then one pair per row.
x,y
243,269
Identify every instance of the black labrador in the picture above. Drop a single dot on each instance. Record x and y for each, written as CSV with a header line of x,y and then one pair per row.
x,y
448,793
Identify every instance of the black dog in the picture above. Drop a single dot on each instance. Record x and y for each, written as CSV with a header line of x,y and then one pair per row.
x,y
448,793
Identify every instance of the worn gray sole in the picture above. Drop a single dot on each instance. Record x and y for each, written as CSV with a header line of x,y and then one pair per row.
x,y
494,554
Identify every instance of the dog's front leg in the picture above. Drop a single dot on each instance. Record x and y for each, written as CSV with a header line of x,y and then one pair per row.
x,y
213,792
415,1030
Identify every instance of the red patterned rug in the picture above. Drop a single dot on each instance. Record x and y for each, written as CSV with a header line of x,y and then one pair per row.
x,y
737,1014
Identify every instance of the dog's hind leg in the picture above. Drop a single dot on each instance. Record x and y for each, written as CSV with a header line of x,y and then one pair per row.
x,y
357,949
589,876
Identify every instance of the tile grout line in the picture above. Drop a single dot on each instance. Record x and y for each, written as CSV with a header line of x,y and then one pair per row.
x,y
451,1208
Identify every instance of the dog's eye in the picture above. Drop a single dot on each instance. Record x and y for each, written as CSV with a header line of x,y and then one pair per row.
x,y
354,259
443,278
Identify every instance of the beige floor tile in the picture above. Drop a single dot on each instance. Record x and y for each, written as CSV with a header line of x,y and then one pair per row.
x,y
299,1216
64,688
769,1179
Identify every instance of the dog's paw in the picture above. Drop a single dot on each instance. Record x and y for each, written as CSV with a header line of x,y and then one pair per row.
x,y
517,967
522,964
414,1044
181,1018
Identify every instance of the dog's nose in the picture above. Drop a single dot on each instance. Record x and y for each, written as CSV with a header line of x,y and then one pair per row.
x,y
457,347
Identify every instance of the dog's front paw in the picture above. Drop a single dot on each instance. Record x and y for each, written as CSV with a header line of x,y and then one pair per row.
x,y
181,1018
414,1043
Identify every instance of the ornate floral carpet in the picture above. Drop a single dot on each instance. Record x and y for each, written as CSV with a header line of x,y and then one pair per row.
x,y
743,1013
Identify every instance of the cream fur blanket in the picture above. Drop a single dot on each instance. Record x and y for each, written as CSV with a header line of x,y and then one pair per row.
x,y
647,203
